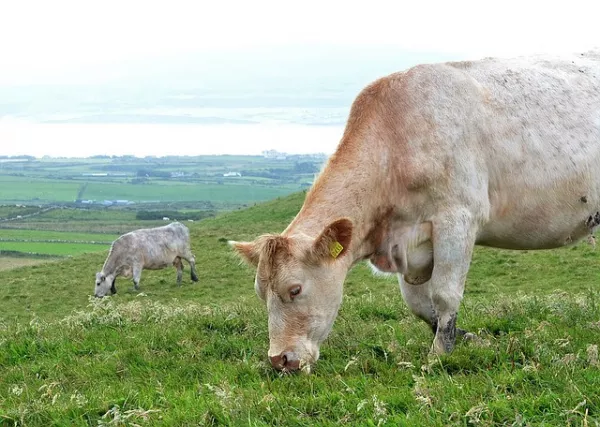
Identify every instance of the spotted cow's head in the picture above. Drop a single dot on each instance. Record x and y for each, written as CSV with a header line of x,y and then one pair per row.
x,y
104,285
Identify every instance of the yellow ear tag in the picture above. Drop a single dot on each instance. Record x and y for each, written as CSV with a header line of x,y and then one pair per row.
x,y
335,248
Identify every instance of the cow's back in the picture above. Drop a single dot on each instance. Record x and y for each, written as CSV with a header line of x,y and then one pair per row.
x,y
158,245
522,135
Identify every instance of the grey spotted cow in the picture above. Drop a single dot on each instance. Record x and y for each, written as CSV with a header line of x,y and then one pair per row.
x,y
149,249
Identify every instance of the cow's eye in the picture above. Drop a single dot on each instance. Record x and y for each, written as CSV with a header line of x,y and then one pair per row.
x,y
295,291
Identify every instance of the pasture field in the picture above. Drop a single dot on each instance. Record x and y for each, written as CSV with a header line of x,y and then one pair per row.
x,y
41,235
40,190
105,223
224,193
45,242
52,248
224,181
8,263
196,354
36,190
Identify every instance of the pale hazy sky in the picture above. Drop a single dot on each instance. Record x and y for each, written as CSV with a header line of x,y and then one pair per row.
x,y
43,40
39,38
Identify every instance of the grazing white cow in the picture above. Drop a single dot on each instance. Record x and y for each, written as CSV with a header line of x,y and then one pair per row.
x,y
149,249
434,160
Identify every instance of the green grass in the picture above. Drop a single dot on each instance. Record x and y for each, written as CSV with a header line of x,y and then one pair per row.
x,y
212,192
53,248
54,235
56,181
28,189
9,262
196,354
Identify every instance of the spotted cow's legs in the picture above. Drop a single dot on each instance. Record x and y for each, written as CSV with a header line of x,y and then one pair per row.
x,y
179,266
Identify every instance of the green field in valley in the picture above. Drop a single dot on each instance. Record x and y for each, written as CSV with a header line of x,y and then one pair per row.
x,y
25,242
225,193
196,354
223,182
26,189
61,249
37,235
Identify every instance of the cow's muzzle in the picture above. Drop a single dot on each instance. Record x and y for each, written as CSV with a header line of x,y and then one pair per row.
x,y
286,361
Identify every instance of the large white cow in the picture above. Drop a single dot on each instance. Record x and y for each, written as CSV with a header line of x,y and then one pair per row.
x,y
433,160
146,249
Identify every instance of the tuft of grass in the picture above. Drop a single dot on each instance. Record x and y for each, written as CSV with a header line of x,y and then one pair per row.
x,y
196,354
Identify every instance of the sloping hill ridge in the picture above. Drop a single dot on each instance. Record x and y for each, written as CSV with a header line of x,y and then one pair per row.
x,y
196,354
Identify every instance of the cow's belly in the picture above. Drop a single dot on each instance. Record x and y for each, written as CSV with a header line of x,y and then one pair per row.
x,y
555,220
158,265
158,257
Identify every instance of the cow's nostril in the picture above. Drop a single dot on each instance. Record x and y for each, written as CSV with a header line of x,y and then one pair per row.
x,y
276,361
291,361
287,360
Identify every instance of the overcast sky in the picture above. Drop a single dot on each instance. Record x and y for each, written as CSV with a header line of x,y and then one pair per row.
x,y
41,39
62,41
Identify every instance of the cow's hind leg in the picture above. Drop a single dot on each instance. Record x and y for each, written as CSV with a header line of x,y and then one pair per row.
x,y
453,241
189,257
179,266
418,300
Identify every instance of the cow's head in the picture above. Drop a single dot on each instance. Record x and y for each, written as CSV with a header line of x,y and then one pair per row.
x,y
104,285
300,278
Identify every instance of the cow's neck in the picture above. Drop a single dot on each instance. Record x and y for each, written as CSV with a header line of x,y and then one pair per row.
x,y
111,265
346,192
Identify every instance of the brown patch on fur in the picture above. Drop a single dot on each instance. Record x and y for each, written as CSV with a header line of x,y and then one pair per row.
x,y
364,113
364,107
273,250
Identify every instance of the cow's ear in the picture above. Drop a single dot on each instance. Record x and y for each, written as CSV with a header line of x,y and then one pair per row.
x,y
247,251
333,242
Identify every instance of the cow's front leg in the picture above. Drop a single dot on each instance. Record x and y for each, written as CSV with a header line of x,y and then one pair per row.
x,y
418,300
137,275
453,238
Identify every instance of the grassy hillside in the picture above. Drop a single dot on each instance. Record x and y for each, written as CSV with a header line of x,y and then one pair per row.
x,y
196,354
